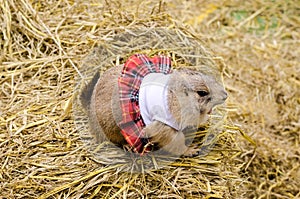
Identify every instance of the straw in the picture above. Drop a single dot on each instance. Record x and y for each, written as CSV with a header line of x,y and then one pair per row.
x,y
45,46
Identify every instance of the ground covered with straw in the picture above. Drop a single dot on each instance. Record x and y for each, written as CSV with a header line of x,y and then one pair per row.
x,y
43,48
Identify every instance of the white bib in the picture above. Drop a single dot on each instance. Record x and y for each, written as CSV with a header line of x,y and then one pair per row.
x,y
153,100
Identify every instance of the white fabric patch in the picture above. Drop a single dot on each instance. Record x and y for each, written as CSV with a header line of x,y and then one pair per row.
x,y
153,100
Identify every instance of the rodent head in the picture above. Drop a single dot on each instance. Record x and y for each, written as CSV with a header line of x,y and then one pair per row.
x,y
193,95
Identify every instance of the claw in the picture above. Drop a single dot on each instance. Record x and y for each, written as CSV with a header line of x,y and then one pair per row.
x,y
192,151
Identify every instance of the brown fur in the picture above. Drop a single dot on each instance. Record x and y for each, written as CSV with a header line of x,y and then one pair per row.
x,y
186,105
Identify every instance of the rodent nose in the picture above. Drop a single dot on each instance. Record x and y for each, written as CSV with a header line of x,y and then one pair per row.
x,y
225,95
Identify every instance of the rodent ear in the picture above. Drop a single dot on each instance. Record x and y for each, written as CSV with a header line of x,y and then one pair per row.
x,y
179,82
179,87
186,92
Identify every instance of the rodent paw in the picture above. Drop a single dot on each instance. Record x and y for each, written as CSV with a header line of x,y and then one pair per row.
x,y
192,151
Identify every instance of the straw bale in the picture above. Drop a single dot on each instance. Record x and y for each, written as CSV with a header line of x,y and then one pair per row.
x,y
43,43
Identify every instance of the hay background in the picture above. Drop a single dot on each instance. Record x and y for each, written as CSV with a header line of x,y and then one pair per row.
x,y
42,44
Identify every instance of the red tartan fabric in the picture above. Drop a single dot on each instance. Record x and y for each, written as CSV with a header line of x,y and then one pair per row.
x,y
135,69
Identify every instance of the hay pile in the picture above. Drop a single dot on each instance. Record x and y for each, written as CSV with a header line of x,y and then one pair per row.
x,y
42,46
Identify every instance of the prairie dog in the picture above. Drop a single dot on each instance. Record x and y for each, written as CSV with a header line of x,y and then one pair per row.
x,y
191,96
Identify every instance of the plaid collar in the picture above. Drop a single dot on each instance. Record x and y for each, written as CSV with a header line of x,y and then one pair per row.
x,y
134,70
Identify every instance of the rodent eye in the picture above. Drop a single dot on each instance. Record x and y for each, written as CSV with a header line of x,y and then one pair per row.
x,y
202,93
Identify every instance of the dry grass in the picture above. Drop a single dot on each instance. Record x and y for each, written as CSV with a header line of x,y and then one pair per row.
x,y
42,46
